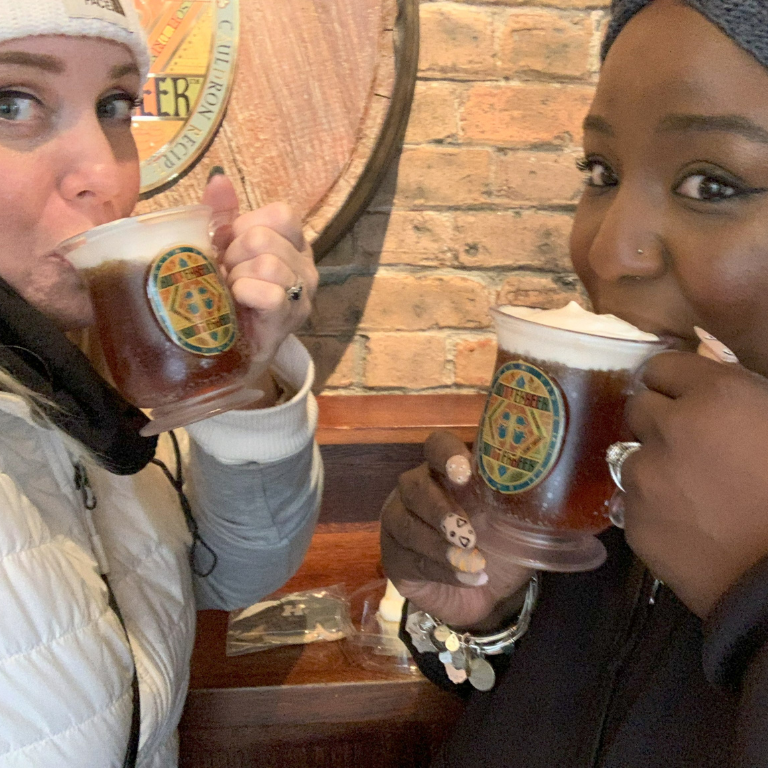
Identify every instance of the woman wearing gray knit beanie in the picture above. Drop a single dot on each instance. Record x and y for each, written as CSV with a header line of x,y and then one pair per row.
x,y
99,578
659,658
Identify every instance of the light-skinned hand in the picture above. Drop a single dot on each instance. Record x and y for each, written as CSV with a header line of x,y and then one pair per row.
x,y
262,253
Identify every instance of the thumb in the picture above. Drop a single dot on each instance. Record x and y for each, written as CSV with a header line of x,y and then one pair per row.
x,y
220,192
221,196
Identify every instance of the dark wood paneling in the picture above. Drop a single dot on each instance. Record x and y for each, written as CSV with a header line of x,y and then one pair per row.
x,y
313,706
368,441
402,744
358,478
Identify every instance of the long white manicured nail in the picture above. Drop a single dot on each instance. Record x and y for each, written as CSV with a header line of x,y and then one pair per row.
x,y
473,579
713,349
458,531
458,470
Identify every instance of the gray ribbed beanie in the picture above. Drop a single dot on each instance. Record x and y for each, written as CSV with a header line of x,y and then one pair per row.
x,y
744,21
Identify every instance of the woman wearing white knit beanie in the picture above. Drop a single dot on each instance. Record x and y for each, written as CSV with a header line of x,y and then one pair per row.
x,y
103,561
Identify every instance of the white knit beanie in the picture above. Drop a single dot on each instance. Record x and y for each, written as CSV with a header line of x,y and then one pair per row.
x,y
110,19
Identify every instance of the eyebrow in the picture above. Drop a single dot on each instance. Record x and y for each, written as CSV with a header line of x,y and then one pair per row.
x,y
35,60
597,124
715,124
56,66
121,70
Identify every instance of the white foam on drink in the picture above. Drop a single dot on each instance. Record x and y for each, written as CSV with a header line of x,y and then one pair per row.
x,y
574,337
141,238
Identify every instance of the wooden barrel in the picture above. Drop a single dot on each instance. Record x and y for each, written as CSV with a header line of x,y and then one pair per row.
x,y
318,108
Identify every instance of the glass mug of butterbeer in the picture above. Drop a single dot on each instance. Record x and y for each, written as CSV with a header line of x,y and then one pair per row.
x,y
166,322
541,485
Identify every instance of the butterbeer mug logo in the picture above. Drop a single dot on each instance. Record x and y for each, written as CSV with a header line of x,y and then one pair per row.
x,y
190,302
522,428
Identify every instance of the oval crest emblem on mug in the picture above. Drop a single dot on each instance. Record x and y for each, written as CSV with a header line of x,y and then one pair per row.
x,y
522,429
190,303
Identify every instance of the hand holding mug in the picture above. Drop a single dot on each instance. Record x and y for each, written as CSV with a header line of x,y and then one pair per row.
x,y
696,505
268,266
430,546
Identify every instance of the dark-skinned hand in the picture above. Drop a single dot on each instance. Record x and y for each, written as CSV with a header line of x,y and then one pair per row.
x,y
415,548
697,490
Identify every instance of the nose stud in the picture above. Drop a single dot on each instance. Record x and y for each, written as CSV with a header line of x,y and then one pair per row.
x,y
640,251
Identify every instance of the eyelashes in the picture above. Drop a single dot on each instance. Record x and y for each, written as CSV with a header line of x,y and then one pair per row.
x,y
702,184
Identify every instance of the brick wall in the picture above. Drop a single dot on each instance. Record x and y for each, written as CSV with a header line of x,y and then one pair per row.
x,y
478,206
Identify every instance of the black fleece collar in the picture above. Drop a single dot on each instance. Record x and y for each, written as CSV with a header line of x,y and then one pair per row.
x,y
35,351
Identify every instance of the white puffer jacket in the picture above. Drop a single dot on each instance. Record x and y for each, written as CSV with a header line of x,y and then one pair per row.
x,y
254,479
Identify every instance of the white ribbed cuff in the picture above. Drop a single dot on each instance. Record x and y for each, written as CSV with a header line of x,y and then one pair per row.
x,y
267,434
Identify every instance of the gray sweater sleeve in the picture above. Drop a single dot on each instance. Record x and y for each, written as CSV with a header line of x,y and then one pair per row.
x,y
257,518
254,479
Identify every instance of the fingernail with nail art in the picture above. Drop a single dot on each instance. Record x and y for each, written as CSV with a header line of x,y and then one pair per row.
x,y
458,470
713,349
458,531
479,579
467,561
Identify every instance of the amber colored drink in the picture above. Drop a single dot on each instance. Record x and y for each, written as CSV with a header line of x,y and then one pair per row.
x,y
574,494
555,405
146,365
166,321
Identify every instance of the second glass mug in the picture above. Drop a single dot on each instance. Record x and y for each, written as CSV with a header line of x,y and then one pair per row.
x,y
167,324
541,487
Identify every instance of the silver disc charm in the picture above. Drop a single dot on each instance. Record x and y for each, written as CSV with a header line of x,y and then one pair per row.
x,y
459,659
453,643
481,674
442,633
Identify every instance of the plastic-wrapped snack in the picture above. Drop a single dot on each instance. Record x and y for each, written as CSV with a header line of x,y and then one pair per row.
x,y
376,611
301,617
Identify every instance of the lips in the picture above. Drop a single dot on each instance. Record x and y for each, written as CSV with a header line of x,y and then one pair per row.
x,y
675,337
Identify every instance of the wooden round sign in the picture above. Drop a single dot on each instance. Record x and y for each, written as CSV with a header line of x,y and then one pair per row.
x,y
318,103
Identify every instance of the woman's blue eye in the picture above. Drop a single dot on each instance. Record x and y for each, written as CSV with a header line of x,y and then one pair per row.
x,y
15,106
598,173
699,186
117,107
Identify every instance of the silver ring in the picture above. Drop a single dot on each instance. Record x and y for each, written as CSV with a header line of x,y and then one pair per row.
x,y
616,455
294,292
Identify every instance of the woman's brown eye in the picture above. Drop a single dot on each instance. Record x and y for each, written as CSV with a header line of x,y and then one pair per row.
x,y
701,187
598,174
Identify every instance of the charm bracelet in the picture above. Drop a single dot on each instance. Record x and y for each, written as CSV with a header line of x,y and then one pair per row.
x,y
463,654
